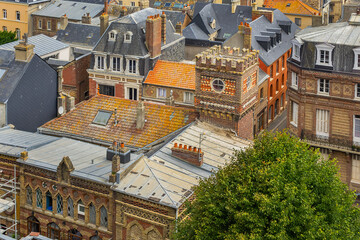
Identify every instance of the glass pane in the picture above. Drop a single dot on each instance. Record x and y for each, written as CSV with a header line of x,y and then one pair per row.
x,y
59,201
38,198
70,207
357,127
103,217
102,117
29,199
92,214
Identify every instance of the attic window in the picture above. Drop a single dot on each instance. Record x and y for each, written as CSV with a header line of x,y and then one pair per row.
x,y
102,117
288,5
128,37
112,36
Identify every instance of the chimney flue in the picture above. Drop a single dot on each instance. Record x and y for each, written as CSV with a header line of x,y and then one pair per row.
x,y
153,35
140,115
188,154
104,23
163,28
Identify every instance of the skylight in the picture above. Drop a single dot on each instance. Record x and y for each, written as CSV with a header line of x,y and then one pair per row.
x,y
2,72
157,4
168,4
102,117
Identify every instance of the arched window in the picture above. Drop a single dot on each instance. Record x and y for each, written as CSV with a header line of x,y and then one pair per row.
x,y
276,108
70,207
53,231
49,202
271,90
103,217
92,214
95,237
59,204
29,196
282,100
33,225
39,200
270,113
277,85
81,210
74,234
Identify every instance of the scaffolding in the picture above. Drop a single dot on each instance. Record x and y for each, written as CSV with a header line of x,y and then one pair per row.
x,y
8,201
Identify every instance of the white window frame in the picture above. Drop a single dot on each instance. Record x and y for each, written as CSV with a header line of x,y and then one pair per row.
x,y
327,48
294,80
356,58
112,64
296,51
40,24
189,97
133,4
322,123
97,58
4,14
133,71
161,92
82,213
324,87
127,96
355,168
356,140
357,91
112,35
128,37
17,14
48,25
294,113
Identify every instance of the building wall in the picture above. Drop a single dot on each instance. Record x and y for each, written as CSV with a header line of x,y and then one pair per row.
x,y
305,20
11,23
260,112
3,115
44,27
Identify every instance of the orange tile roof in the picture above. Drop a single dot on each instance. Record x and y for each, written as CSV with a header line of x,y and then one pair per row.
x,y
161,120
296,7
172,74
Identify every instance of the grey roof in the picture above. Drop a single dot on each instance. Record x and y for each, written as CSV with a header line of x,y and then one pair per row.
x,y
175,16
261,26
135,23
73,10
262,77
168,180
44,45
26,1
79,34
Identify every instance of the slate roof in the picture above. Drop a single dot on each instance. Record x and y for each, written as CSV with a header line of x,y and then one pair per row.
x,y
172,74
291,7
161,120
175,16
262,77
44,45
73,10
167,180
262,24
30,2
135,23
79,34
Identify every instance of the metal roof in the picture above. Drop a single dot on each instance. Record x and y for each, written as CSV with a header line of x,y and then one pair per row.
x,y
44,45
73,10
167,180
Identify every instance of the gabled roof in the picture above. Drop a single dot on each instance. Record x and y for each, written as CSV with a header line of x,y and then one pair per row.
x,y
44,45
160,121
73,10
172,74
291,7
168,180
135,23
80,34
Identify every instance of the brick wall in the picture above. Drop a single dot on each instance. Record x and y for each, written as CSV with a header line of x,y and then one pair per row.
x,y
245,126
44,30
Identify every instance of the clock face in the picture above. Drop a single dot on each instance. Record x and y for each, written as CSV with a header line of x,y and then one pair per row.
x,y
218,85
10,210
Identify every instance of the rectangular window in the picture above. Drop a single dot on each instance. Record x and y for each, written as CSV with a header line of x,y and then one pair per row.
x,y
355,175
100,62
271,71
81,211
4,28
4,14
107,90
18,33
294,80
298,21
188,97
322,123
48,25
324,56
297,51
161,93
58,25
133,93
18,15
132,66
356,130
40,24
358,60
133,4
323,86
116,64
283,61
357,90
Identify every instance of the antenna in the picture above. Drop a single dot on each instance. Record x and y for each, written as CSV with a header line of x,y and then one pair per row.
x,y
116,121
202,138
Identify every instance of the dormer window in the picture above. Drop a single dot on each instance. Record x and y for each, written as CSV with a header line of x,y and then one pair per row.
x,y
324,54
296,51
112,35
128,37
213,23
357,58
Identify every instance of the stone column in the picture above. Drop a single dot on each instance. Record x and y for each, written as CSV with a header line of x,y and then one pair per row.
x,y
87,214
97,216
110,211
65,210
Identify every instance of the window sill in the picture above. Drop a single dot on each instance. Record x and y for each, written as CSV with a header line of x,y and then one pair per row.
x,y
322,136
294,87
324,64
323,93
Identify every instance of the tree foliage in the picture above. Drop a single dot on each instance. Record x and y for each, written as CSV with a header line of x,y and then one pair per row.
x,y
6,37
278,189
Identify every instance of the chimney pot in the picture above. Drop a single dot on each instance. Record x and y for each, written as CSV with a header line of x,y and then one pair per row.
x,y
122,145
180,146
185,147
194,149
199,150
190,148
175,145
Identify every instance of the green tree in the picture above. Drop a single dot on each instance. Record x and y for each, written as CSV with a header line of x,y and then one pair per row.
x,y
6,37
277,189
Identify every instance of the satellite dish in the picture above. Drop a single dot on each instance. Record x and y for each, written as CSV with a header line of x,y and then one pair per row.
x,y
61,110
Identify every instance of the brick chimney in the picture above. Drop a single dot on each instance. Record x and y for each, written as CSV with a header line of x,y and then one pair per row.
x,y
188,154
140,115
63,22
120,150
153,35
179,28
163,27
267,13
86,18
104,23
123,11
245,31
24,51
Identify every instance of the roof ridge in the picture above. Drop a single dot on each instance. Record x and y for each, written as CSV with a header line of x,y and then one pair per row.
x,y
175,62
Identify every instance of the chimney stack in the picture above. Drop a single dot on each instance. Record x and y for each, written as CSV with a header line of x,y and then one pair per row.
x,y
24,51
179,28
104,22
189,154
163,28
153,35
63,22
267,13
120,150
86,18
123,11
140,115
245,31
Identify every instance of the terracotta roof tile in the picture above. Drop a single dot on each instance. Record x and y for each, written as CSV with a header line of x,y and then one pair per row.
x,y
291,6
172,74
78,122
